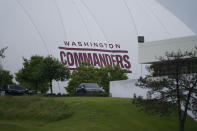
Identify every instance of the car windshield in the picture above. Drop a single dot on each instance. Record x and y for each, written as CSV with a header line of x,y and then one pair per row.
x,y
20,88
16,87
12,87
92,86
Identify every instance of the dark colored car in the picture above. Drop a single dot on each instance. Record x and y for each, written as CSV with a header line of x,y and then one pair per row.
x,y
84,88
14,90
31,92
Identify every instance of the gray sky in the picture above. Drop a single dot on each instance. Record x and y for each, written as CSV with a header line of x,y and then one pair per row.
x,y
184,10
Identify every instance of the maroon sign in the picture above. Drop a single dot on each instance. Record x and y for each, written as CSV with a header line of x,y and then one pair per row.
x,y
97,54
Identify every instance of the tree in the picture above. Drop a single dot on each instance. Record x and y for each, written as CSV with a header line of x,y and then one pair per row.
x,y
31,75
109,73
53,69
177,88
5,78
2,52
2,55
86,73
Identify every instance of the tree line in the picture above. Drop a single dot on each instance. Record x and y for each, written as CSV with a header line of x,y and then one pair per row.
x,y
38,72
86,73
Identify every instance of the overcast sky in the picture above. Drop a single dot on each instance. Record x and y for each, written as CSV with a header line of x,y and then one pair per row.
x,y
184,10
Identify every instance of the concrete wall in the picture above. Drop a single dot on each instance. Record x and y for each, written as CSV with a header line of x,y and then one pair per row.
x,y
126,89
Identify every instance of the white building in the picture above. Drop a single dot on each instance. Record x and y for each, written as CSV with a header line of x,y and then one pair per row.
x,y
149,53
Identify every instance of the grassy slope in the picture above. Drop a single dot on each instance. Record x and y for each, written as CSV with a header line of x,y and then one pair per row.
x,y
36,108
106,114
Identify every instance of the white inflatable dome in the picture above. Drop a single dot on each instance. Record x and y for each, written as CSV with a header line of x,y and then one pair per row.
x,y
101,31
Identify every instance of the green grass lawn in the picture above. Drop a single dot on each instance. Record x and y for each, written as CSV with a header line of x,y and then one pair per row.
x,y
80,114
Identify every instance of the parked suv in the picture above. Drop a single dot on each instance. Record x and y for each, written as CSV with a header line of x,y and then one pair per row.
x,y
14,90
84,88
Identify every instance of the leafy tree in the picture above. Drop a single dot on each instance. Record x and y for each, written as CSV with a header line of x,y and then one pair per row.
x,y
86,73
43,87
53,69
5,78
109,73
176,89
38,73
2,52
31,75
2,55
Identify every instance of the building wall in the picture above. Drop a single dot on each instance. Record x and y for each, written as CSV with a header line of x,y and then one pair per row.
x,y
150,51
126,89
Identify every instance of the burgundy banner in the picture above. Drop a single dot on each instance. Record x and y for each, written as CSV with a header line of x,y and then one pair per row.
x,y
72,57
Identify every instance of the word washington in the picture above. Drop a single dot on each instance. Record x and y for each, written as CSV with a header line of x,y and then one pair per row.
x,y
91,44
